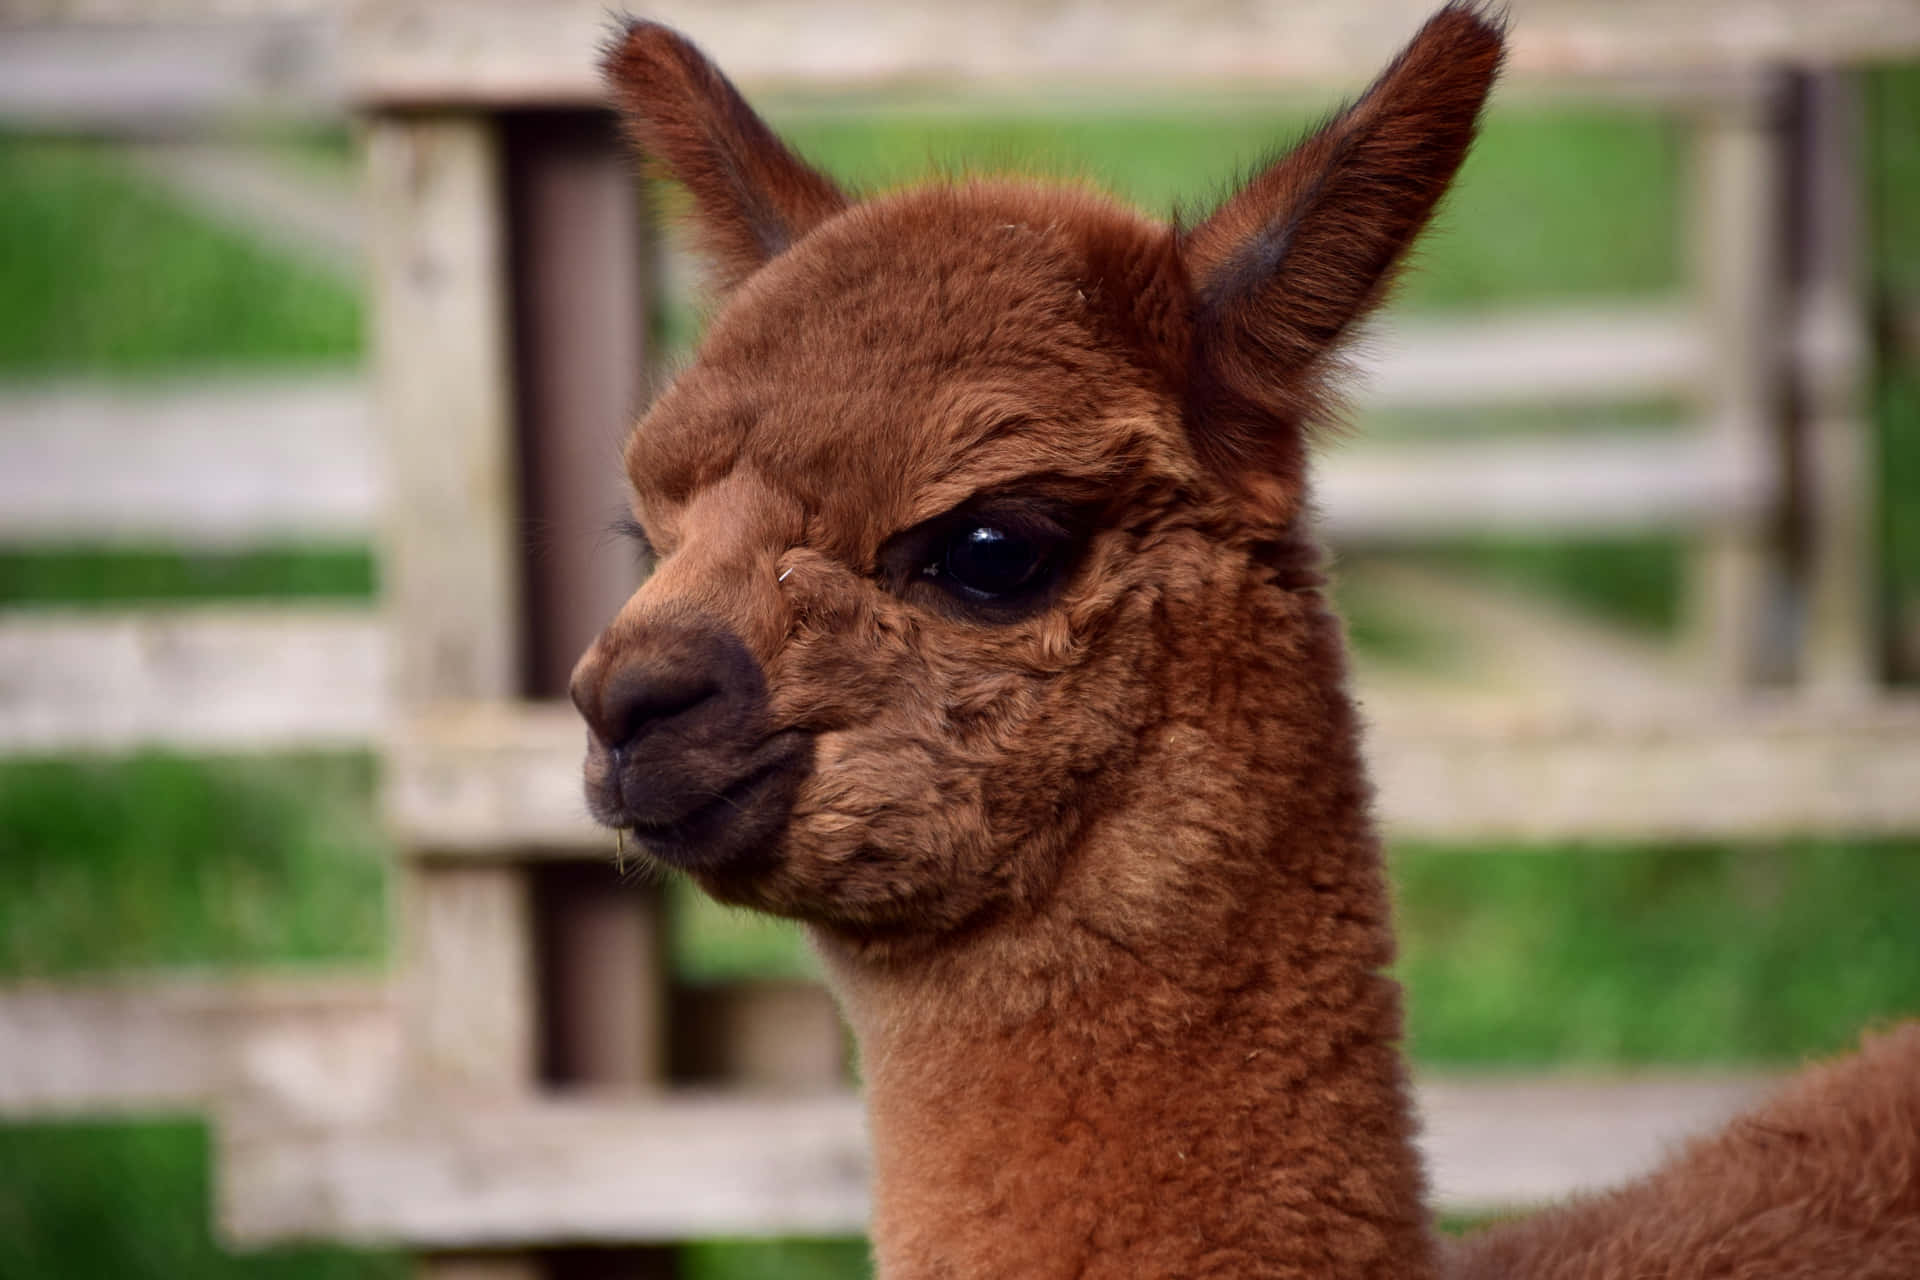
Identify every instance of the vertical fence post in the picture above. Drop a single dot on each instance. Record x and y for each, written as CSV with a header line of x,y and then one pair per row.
x,y
584,273
450,580
1740,629
1841,652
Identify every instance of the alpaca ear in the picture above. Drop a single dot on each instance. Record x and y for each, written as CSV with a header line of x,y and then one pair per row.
x,y
1284,267
752,196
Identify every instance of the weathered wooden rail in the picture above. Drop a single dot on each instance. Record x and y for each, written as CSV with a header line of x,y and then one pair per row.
x,y
565,1171
525,1081
1521,759
187,464
486,782
319,1139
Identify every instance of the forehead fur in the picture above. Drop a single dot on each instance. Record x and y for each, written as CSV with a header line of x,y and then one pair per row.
x,y
923,347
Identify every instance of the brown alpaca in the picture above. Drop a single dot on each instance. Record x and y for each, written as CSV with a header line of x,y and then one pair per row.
x,y
1821,1183
986,639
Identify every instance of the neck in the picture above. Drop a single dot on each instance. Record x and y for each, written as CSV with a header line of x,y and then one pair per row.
x,y
1187,1064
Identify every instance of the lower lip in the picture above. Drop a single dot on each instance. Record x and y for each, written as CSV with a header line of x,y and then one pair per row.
x,y
684,842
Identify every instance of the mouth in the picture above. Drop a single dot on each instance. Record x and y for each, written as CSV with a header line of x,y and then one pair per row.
x,y
694,837
732,826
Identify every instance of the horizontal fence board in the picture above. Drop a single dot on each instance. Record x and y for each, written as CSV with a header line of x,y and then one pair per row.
x,y
602,1172
417,51
1689,768
224,56
555,1171
189,463
233,463
490,780
145,69
1595,482
494,781
173,69
205,679
313,478
322,1046
327,1050
1511,1142
157,68
1601,354
320,1136
320,1140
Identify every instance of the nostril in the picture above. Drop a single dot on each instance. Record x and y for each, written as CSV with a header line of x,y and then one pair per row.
x,y
699,683
641,696
632,710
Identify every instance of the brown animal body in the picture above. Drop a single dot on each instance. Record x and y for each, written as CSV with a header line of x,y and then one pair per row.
x,y
1821,1183
986,639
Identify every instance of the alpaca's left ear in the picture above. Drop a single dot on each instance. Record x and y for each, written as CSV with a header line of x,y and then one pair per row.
x,y
1284,267
752,196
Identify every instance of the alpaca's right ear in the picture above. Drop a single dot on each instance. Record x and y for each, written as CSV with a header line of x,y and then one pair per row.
x,y
1283,269
752,196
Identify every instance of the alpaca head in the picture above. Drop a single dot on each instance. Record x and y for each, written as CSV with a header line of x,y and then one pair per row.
x,y
966,508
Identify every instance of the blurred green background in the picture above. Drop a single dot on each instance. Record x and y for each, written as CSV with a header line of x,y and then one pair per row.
x,y
1514,957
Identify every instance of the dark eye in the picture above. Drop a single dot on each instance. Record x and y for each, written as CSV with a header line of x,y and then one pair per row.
x,y
993,561
990,562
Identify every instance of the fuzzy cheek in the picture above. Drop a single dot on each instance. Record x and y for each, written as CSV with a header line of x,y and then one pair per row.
x,y
831,751
881,818
842,799
863,776
832,675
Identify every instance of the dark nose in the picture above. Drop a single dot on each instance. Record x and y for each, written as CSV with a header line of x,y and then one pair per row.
x,y
682,752
674,681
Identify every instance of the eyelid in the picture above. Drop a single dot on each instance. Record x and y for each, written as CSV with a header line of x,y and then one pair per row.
x,y
1025,521
1035,515
631,529
1029,518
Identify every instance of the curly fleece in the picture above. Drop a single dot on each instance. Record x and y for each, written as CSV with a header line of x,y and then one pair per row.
x,y
1097,885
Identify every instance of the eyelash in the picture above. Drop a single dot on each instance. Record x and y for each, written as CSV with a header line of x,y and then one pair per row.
x,y
919,559
633,531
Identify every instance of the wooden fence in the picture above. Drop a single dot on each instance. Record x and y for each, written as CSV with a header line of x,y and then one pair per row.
x,y
524,1081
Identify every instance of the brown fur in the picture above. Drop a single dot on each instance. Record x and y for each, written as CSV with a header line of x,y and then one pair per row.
x,y
1094,877
1822,1182
753,195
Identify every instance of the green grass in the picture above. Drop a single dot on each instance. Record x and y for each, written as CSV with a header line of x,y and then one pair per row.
x,y
712,943
1699,955
1522,223
133,1201
1893,167
100,274
1897,410
112,577
1382,629
770,1259
163,861
1635,581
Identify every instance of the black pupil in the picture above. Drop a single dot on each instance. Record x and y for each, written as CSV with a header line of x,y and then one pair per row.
x,y
991,561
